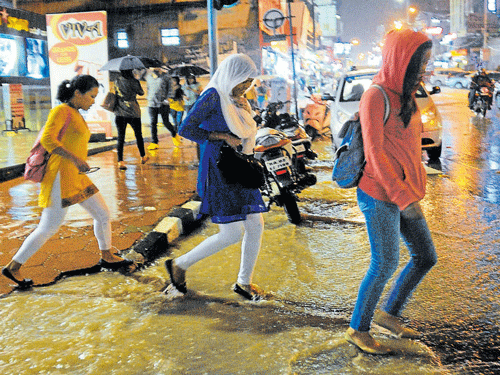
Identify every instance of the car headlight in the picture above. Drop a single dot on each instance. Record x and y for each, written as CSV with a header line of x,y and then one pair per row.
x,y
431,119
428,116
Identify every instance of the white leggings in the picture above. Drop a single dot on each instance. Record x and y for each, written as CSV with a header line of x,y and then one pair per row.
x,y
229,234
53,217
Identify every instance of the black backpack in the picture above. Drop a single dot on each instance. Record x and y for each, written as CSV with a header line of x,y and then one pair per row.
x,y
349,159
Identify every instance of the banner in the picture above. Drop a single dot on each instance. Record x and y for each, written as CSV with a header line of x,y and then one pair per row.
x,y
78,44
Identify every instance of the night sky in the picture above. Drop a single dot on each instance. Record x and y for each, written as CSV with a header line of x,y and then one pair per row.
x,y
361,18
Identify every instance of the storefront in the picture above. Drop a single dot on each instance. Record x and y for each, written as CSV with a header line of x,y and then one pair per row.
x,y
24,70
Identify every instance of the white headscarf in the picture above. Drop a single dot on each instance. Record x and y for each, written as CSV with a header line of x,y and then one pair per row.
x,y
234,70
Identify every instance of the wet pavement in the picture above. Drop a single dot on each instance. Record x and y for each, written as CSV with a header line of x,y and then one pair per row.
x,y
115,324
138,198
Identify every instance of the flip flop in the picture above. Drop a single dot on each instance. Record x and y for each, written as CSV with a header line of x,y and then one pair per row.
x,y
180,287
22,284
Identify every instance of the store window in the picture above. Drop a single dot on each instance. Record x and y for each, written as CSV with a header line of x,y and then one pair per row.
x,y
170,37
122,39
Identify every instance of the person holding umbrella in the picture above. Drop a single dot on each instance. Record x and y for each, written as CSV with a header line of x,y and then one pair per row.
x,y
127,111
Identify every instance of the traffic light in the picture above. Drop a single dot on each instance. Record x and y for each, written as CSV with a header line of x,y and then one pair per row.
x,y
218,4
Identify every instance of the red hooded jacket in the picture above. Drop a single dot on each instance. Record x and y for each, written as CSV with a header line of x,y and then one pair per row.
x,y
394,172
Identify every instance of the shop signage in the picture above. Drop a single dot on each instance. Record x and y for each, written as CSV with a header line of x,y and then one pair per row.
x,y
273,19
78,45
19,22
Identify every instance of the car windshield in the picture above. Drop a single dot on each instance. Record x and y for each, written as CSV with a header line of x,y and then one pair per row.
x,y
355,86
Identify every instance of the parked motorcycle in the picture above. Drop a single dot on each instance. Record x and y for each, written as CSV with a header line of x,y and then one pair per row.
x,y
482,99
317,117
284,152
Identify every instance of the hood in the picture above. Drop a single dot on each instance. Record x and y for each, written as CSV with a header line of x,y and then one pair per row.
x,y
399,47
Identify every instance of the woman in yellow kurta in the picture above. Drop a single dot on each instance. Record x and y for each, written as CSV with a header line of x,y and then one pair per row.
x,y
65,183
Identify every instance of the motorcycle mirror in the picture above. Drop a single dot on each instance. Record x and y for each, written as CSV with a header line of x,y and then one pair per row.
x,y
435,90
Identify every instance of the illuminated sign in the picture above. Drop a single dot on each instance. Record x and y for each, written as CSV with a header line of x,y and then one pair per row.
x,y
434,30
492,6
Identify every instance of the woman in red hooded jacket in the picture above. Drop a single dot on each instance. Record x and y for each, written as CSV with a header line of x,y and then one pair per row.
x,y
390,189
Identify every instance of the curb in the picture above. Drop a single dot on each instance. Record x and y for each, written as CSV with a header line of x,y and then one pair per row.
x,y
178,222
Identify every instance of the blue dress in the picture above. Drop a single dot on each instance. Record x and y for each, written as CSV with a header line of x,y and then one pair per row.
x,y
223,202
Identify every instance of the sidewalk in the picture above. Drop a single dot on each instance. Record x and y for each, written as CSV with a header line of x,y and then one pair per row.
x,y
142,236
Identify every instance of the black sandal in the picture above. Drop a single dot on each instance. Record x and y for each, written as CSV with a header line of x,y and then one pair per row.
x,y
254,295
116,266
180,287
22,284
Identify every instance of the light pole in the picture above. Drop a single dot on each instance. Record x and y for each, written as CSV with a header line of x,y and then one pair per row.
x,y
293,58
213,49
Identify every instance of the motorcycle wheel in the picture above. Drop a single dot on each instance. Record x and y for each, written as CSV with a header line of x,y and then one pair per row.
x,y
291,209
483,110
311,132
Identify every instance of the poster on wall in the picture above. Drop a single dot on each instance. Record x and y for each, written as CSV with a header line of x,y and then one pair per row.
x,y
13,106
17,106
78,44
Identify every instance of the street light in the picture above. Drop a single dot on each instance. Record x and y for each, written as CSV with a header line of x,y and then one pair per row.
x,y
412,12
355,42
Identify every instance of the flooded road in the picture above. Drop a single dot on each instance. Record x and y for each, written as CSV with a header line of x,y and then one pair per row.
x,y
108,323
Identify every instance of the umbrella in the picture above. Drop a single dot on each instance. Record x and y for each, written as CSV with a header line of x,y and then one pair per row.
x,y
186,70
151,63
123,63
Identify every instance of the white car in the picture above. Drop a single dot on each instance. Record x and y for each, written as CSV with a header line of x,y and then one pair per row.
x,y
345,102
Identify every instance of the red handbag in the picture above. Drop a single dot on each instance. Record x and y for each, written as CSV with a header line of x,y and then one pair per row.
x,y
37,161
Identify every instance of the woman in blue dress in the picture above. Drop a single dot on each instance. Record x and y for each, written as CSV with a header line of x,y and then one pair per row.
x,y
223,115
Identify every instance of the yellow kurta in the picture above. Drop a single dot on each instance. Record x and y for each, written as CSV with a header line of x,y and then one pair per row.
x,y
75,187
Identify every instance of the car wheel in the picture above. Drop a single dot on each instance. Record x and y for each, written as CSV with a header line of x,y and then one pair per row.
x,y
438,83
458,85
434,153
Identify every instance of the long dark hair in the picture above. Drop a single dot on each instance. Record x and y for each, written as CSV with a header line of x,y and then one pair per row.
x,y
408,104
82,83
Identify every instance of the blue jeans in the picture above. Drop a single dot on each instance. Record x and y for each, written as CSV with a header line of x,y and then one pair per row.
x,y
384,224
177,116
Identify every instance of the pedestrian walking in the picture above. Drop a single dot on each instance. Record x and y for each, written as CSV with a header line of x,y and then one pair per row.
x,y
222,115
127,111
261,94
65,182
177,102
158,86
390,189
192,90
